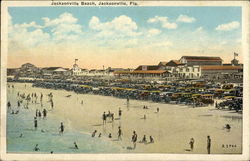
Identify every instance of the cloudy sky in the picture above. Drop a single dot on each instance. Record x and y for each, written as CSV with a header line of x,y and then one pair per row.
x,y
120,36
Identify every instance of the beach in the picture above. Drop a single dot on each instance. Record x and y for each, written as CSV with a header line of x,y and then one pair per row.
x,y
172,127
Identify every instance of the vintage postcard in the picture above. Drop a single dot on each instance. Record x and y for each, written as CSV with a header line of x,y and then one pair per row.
x,y
125,80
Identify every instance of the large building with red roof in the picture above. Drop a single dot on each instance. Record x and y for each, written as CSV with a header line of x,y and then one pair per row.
x,y
200,60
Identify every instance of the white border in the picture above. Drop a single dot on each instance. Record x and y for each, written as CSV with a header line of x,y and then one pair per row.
x,y
153,156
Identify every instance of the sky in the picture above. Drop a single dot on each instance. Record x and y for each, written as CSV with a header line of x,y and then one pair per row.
x,y
120,36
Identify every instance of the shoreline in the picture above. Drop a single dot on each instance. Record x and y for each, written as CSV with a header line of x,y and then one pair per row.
x,y
79,123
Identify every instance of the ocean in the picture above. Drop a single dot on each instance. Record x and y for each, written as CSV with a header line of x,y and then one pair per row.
x,y
47,134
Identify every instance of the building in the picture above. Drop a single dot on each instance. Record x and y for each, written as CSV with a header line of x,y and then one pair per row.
x,y
187,72
28,70
235,62
55,72
200,60
162,64
148,67
222,72
12,71
77,71
174,63
110,71
155,74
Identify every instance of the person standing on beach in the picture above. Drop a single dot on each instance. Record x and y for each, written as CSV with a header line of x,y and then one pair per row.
x,y
120,112
216,104
191,143
61,128
151,139
127,99
39,113
9,105
35,123
134,139
119,133
52,104
44,113
18,104
208,144
104,117
36,112
144,139
41,98
158,109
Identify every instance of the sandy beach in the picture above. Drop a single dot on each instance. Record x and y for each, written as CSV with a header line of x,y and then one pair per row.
x,y
171,128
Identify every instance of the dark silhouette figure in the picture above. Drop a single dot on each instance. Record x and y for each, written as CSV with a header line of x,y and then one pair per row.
x,y
208,144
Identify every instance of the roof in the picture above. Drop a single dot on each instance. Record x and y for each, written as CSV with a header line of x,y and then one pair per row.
x,y
163,63
149,71
28,64
51,68
142,72
123,72
60,70
177,62
219,67
115,69
149,67
201,58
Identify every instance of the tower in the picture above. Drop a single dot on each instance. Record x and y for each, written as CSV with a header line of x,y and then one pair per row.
x,y
235,62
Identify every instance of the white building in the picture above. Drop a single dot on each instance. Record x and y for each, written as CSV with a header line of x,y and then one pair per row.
x,y
185,72
77,71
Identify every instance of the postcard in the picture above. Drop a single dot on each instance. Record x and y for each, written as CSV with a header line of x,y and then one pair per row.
x,y
125,80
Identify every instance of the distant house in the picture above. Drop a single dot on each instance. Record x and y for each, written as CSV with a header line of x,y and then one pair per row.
x,y
187,72
143,73
56,71
174,63
77,71
28,70
28,67
12,71
200,60
162,63
110,71
148,67
220,71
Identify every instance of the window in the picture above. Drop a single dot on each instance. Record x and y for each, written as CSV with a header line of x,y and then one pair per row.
x,y
187,69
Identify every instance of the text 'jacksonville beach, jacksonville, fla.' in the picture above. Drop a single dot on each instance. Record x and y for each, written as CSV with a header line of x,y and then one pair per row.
x,y
93,3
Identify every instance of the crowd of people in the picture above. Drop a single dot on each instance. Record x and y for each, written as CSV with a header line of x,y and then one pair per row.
x,y
29,101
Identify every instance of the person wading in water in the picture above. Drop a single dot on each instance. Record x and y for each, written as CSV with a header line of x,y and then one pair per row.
x,y
61,128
